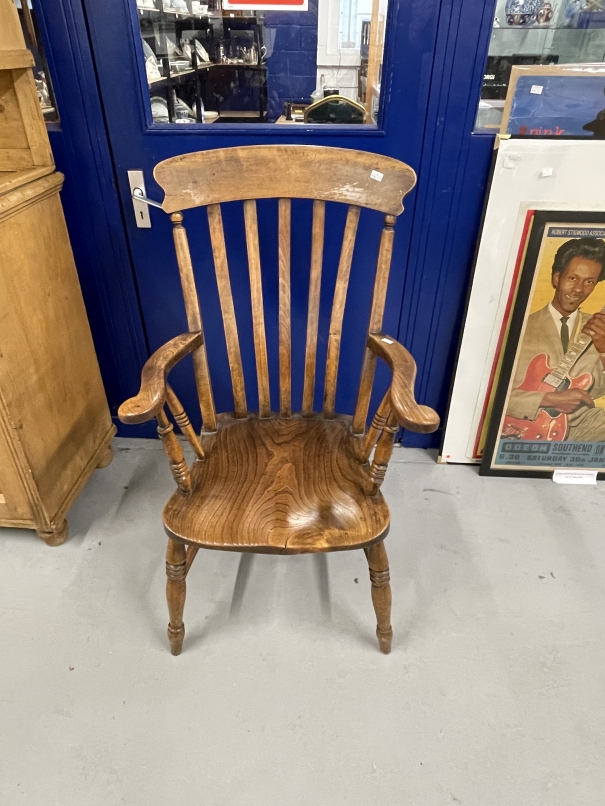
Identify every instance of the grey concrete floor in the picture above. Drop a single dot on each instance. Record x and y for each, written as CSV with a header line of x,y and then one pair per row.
x,y
494,694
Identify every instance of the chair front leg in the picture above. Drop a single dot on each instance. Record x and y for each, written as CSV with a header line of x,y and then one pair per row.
x,y
381,593
176,589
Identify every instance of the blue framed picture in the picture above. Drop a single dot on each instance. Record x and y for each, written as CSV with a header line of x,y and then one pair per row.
x,y
556,101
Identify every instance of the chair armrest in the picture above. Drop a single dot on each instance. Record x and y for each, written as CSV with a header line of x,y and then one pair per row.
x,y
406,411
151,396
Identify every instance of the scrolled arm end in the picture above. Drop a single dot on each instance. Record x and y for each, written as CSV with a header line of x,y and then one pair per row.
x,y
151,396
408,413
139,409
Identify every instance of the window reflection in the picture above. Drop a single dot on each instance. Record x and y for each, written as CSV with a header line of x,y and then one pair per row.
x,y
271,61
537,32
31,32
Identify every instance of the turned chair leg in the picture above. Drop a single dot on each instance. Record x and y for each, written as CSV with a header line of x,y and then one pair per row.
x,y
176,571
381,593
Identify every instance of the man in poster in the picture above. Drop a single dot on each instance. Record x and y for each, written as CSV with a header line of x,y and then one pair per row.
x,y
578,266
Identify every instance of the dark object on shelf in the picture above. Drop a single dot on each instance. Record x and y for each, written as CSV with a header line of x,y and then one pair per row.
x,y
241,116
296,110
365,39
362,80
597,126
335,109
282,482
497,72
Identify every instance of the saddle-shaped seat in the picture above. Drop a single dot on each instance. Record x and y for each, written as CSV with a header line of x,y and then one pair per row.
x,y
279,486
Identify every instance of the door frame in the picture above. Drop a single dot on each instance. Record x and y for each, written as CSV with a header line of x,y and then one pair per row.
x,y
92,209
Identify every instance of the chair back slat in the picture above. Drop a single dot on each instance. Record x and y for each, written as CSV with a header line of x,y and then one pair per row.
x,y
285,333
221,267
258,315
317,248
194,322
379,296
338,309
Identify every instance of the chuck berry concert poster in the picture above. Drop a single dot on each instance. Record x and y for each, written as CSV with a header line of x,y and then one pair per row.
x,y
549,410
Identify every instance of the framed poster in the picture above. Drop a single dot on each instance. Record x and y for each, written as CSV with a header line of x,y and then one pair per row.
x,y
556,101
549,408
530,174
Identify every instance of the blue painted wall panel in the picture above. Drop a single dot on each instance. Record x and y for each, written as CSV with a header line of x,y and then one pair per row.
x,y
453,176
292,65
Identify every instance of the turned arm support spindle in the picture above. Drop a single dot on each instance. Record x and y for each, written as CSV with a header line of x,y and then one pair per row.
x,y
397,409
174,452
183,422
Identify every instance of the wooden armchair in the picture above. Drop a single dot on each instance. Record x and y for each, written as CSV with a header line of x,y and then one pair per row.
x,y
280,482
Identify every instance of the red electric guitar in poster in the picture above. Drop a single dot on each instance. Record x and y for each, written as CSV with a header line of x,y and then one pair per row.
x,y
539,377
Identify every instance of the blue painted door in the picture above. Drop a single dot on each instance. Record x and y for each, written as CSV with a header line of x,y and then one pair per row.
x,y
137,143
435,54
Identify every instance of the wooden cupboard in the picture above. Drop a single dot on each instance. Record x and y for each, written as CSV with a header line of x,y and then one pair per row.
x,y
55,425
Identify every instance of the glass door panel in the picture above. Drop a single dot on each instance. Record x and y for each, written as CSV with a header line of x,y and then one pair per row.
x,y
272,61
537,32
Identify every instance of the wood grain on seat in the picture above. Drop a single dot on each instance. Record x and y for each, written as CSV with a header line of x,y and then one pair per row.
x,y
280,486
